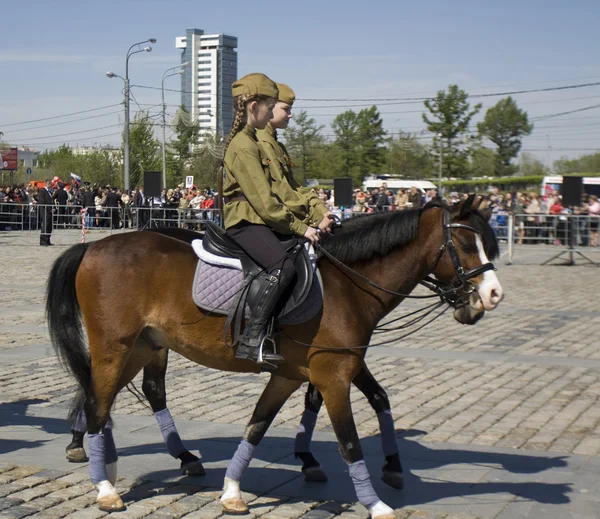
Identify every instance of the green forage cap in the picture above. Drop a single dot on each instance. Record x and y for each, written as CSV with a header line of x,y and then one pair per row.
x,y
254,85
286,94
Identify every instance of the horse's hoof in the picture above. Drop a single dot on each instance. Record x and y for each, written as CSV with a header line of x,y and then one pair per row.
x,y
109,504
193,468
393,479
77,455
314,474
234,506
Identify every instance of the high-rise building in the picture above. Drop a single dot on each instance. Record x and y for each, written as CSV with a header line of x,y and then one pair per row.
x,y
206,81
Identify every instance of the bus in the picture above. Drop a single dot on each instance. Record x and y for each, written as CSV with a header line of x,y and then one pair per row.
x,y
591,185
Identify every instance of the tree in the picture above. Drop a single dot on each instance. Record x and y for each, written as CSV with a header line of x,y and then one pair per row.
x,y
482,162
360,143
584,164
371,138
143,148
206,161
529,166
451,115
303,140
345,129
180,148
409,158
505,125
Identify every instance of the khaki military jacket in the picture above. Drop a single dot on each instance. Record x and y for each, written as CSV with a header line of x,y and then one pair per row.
x,y
248,188
303,202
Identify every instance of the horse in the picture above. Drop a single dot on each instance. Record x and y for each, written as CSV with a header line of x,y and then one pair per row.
x,y
367,268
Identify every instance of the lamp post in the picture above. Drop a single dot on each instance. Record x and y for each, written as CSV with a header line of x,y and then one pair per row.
x,y
164,123
441,165
130,52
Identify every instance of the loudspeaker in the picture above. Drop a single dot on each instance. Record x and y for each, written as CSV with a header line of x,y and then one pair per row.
x,y
152,183
342,192
571,191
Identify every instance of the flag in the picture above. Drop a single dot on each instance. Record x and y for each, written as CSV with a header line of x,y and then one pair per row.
x,y
76,178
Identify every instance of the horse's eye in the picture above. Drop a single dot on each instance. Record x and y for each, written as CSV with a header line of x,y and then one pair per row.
x,y
468,247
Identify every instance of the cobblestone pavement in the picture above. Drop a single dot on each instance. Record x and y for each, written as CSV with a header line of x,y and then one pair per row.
x,y
524,379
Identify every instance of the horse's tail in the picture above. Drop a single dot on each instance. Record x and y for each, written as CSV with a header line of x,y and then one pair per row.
x,y
64,317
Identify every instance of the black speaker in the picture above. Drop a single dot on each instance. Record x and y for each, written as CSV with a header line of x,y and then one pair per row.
x,y
342,192
571,191
152,183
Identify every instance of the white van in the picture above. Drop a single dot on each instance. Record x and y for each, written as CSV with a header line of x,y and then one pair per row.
x,y
395,184
591,185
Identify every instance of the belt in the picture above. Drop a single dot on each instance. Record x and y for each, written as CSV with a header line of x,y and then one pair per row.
x,y
239,198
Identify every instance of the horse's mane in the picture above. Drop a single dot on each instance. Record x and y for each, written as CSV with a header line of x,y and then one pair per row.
x,y
365,237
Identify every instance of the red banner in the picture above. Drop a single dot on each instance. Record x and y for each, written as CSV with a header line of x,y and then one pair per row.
x,y
9,158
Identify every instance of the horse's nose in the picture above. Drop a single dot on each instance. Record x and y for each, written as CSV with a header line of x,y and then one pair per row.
x,y
496,296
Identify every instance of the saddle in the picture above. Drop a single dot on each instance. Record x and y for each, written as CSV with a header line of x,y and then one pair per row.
x,y
216,243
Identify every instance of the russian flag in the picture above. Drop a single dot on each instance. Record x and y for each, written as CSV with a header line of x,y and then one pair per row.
x,y
76,178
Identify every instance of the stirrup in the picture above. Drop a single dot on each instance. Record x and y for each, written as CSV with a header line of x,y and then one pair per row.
x,y
261,358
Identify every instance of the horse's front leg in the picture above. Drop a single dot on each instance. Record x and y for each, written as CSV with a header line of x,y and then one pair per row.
x,y
275,394
310,466
336,393
377,397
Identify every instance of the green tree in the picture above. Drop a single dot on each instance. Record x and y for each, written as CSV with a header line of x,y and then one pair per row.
x,y
505,125
359,143
206,161
482,162
303,140
450,116
181,147
144,149
529,166
409,158
584,164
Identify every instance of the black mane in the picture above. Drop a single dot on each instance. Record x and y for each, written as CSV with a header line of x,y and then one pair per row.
x,y
364,237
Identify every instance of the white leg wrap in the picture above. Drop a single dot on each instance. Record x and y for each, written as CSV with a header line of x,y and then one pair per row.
x,y
380,509
231,490
105,489
111,472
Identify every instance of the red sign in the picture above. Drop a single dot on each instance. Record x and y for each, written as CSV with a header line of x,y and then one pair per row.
x,y
9,158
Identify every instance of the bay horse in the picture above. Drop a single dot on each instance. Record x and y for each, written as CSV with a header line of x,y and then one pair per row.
x,y
367,269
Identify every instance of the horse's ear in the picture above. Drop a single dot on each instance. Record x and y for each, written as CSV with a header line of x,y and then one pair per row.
x,y
466,207
486,213
477,199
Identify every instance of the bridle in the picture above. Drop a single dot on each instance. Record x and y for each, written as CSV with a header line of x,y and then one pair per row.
x,y
452,293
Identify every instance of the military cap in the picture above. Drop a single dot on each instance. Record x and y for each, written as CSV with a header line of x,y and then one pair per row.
x,y
254,85
286,94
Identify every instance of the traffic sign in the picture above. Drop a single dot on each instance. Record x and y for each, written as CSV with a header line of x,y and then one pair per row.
x,y
189,182
29,171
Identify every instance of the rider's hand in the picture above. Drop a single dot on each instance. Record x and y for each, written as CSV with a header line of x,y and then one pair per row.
x,y
312,234
326,223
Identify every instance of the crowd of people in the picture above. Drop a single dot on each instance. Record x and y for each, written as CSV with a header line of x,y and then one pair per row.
x,y
539,219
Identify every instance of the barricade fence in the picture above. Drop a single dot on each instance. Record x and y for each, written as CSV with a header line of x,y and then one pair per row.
x,y
530,230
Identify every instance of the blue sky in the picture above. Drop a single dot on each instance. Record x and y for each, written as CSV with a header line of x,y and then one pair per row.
x,y
53,57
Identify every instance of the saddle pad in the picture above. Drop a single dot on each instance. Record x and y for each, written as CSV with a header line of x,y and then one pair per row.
x,y
216,287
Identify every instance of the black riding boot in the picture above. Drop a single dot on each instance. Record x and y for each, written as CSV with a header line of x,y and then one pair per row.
x,y
255,343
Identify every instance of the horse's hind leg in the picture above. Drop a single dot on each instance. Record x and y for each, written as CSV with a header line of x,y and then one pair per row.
x,y
75,450
336,394
310,466
153,387
377,397
109,360
275,394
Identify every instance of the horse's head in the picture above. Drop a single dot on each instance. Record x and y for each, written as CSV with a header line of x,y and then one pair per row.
x,y
465,261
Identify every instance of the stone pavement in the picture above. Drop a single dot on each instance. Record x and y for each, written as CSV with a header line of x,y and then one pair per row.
x,y
496,420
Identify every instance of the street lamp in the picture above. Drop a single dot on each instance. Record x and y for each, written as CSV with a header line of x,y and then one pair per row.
x,y
441,165
130,52
164,123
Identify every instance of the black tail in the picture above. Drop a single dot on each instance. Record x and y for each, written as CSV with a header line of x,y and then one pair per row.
x,y
64,319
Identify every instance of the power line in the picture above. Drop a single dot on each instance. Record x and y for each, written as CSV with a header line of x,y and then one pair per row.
x,y
59,116
65,122
74,133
